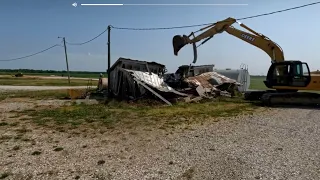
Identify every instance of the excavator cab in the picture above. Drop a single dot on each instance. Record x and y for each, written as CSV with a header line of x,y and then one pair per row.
x,y
288,74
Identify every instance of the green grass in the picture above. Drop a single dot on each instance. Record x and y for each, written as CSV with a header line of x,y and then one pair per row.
x,y
72,74
256,82
47,94
120,114
20,81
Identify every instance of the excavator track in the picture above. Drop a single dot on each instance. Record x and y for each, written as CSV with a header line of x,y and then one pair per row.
x,y
272,98
291,98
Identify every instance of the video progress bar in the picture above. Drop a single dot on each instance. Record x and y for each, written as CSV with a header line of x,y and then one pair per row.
x,y
164,4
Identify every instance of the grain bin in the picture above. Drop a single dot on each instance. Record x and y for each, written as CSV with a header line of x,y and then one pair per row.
x,y
241,75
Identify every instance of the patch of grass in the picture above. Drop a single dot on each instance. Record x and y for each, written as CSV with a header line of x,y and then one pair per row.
x,y
21,81
45,94
15,148
34,153
4,123
58,149
130,115
4,175
256,82
5,137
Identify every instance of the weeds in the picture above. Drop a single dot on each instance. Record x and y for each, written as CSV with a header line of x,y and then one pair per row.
x,y
3,124
35,153
58,149
4,175
132,114
15,148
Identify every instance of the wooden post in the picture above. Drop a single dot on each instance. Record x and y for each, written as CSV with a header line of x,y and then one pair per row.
x,y
109,62
65,53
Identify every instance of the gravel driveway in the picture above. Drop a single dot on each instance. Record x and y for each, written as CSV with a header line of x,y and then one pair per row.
x,y
277,144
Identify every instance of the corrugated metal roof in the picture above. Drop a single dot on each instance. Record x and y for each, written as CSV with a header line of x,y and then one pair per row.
x,y
154,81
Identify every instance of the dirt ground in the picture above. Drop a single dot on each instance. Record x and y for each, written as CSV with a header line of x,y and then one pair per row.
x,y
274,144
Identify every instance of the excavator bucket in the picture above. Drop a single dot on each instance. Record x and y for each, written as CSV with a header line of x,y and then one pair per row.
x,y
179,42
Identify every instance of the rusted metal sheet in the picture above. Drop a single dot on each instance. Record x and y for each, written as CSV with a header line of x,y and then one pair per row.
x,y
210,80
212,83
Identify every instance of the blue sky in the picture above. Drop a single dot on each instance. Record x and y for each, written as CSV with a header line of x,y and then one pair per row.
x,y
27,26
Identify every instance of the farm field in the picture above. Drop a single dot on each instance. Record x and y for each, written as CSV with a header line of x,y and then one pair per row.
x,y
256,82
46,79
39,81
53,73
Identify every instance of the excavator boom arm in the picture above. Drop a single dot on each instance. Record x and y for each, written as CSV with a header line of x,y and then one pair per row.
x,y
256,39
272,49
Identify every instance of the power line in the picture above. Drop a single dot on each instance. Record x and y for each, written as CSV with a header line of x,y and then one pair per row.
x,y
53,47
205,24
14,59
162,28
274,12
78,44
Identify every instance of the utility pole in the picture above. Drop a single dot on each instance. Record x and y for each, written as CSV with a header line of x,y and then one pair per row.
x,y
109,62
65,53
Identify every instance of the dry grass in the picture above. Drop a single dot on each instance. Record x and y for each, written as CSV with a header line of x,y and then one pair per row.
x,y
21,81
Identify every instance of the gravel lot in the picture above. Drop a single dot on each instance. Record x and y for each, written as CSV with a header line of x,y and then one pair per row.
x,y
276,144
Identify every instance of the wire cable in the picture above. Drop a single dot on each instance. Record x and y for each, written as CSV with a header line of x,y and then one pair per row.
x,y
78,44
205,24
162,28
14,59
274,12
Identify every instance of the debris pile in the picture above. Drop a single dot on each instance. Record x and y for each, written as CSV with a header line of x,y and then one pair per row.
x,y
133,79
212,84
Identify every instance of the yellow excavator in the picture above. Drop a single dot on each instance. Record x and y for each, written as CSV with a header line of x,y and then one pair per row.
x,y
285,77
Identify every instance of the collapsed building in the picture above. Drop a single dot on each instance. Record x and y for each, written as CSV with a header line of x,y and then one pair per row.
x,y
135,79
